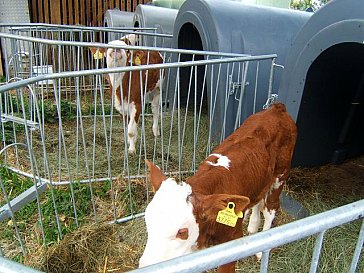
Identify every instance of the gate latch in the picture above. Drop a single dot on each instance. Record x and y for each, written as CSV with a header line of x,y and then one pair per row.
x,y
234,85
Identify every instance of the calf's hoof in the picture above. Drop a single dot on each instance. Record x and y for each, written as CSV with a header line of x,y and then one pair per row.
x,y
156,132
131,151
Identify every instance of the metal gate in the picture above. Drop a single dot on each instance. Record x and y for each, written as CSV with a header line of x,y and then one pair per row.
x,y
61,131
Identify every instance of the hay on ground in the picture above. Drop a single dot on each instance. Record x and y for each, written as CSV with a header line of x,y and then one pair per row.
x,y
97,248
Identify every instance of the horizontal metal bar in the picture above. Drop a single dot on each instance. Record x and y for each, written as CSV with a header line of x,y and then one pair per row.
x,y
291,206
238,249
127,219
44,25
29,123
9,266
20,201
90,180
93,72
102,45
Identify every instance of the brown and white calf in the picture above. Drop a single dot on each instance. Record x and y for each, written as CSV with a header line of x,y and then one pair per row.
x,y
129,88
248,169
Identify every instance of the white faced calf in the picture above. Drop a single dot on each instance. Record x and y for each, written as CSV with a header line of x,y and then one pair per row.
x,y
130,88
246,171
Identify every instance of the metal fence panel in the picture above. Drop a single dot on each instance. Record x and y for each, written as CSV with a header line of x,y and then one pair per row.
x,y
59,127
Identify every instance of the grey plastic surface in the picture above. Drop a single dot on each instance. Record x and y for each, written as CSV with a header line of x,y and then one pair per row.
x,y
115,18
155,17
322,84
335,23
229,26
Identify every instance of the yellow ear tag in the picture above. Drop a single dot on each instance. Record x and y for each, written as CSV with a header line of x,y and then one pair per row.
x,y
98,55
227,216
137,60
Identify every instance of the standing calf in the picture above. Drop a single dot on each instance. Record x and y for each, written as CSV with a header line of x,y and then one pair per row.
x,y
129,88
247,171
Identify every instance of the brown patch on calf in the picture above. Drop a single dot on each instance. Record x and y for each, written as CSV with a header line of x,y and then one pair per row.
x,y
260,151
102,50
156,176
139,79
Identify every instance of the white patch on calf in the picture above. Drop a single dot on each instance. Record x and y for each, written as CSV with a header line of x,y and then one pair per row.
x,y
155,111
222,161
277,184
269,216
254,219
132,126
117,104
116,57
166,214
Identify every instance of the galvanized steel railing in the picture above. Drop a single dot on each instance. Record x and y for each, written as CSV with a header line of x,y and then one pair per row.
x,y
264,241
247,246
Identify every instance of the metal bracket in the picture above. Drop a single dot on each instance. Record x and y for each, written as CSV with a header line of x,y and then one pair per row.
x,y
272,99
31,124
233,85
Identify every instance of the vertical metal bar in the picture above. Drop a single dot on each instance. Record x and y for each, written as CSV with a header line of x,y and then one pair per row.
x,y
193,68
271,78
179,127
45,159
79,114
228,92
94,126
195,129
162,77
211,111
17,233
316,252
240,79
108,140
10,110
264,261
358,249
256,87
33,165
218,86
200,114
126,158
62,144
242,93
175,95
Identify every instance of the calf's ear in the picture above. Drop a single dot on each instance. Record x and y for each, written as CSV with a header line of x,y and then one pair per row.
x,y
156,176
212,204
98,52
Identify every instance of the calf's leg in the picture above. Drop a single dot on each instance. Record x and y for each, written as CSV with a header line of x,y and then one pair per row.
x,y
254,219
155,111
132,128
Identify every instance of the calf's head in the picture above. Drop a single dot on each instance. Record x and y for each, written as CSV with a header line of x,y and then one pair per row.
x,y
115,57
176,214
